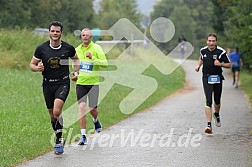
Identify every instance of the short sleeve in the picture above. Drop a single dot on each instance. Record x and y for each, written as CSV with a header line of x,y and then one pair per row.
x,y
225,58
38,53
72,51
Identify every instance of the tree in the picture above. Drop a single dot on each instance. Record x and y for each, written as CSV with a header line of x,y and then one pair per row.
x,y
194,15
14,13
164,8
236,20
75,14
184,24
200,11
113,10
78,14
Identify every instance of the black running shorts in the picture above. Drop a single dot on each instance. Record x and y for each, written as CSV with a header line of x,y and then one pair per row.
x,y
55,91
90,91
235,69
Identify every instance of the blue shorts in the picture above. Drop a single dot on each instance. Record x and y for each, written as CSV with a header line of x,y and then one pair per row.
x,y
235,69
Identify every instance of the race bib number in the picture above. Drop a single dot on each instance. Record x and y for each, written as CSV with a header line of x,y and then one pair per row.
x,y
213,79
86,67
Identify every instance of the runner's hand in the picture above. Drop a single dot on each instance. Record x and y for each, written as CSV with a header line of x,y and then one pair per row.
x,y
75,76
88,54
197,68
40,67
217,63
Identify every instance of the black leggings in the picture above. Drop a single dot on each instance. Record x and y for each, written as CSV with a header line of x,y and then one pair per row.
x,y
209,89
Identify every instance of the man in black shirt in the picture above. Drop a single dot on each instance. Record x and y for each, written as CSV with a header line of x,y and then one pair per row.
x,y
56,83
213,58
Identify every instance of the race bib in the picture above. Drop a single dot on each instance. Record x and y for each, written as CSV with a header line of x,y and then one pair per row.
x,y
86,67
213,79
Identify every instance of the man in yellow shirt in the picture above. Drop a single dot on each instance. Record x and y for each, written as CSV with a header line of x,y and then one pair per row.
x,y
92,58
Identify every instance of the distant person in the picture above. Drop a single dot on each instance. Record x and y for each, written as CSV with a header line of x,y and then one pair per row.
x,y
228,50
182,46
56,82
92,58
213,58
236,61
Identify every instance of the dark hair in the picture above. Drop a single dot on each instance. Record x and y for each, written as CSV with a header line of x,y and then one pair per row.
x,y
237,50
56,23
212,35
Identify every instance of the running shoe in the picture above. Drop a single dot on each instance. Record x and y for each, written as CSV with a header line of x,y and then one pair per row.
x,y
83,140
98,126
217,119
59,148
208,130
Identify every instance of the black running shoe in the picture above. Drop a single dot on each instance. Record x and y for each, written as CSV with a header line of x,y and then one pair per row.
x,y
83,140
98,126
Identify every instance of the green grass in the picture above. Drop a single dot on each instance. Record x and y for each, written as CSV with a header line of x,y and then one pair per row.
x,y
246,82
25,125
17,46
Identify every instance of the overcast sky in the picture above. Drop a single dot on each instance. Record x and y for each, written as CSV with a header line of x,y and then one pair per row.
x,y
144,6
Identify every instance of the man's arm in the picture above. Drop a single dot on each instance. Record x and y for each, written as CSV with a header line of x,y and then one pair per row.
x,y
224,61
241,61
200,62
76,62
36,65
101,59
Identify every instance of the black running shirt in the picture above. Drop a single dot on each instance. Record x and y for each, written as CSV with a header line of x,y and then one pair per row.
x,y
51,59
208,58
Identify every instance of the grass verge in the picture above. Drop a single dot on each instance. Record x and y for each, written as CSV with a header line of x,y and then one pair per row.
x,y
246,82
25,127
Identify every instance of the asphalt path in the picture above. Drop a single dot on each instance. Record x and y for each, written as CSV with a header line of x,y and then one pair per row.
x,y
169,134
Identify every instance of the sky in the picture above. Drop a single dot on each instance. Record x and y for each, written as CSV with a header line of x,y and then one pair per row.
x,y
144,6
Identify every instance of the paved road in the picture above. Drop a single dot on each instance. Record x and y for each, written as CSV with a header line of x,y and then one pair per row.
x,y
170,133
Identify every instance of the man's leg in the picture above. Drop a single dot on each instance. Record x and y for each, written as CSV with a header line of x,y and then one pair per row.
x,y
236,78
208,90
82,115
82,122
60,95
233,76
53,120
217,104
97,124
94,113
217,108
81,91
57,110
208,111
93,102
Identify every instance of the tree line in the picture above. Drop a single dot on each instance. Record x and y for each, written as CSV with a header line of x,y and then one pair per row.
x,y
74,14
230,19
